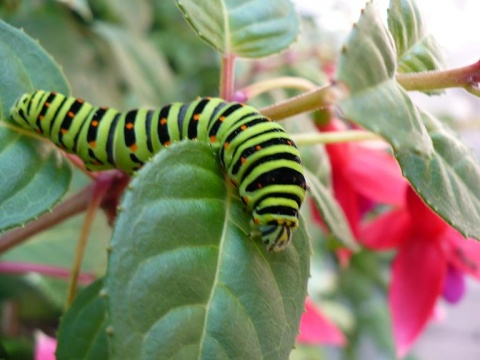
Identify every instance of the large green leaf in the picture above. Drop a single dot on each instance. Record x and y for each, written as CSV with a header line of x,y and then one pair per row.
x,y
82,332
247,28
376,101
185,281
447,179
417,50
32,175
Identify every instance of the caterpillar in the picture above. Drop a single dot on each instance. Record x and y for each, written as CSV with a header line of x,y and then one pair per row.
x,y
257,154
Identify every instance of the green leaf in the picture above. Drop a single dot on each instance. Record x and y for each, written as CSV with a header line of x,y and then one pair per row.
x,y
82,331
185,281
447,179
33,177
25,67
332,213
376,101
416,49
247,28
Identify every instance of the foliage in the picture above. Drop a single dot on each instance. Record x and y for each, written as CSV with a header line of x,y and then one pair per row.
x,y
181,277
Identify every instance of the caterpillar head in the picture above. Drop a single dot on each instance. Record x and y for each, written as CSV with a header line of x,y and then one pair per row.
x,y
19,112
275,236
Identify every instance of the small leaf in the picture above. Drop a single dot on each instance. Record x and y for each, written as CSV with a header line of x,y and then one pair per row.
x,y
82,331
447,179
247,28
33,177
184,279
25,67
416,49
376,101
332,213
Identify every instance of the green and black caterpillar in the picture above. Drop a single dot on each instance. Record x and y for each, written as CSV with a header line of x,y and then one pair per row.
x,y
258,155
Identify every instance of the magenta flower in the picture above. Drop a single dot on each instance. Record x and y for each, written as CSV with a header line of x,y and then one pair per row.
x,y
315,328
431,260
362,177
44,346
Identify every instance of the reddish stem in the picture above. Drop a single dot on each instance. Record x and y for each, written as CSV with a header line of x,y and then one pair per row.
x,y
11,267
227,78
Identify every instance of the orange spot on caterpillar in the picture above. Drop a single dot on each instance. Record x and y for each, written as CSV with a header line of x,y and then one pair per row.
x,y
129,126
38,131
81,101
94,123
47,104
256,221
167,143
243,159
71,114
196,117
226,145
258,147
41,117
243,127
289,142
221,118
213,138
134,147
259,186
163,121
92,144
64,131
245,199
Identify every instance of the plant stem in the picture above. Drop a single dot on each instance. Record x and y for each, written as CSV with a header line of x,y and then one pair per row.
x,y
101,188
65,210
466,77
261,87
227,77
312,100
334,137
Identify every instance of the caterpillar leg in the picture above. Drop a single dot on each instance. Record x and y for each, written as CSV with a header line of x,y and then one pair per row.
x,y
275,237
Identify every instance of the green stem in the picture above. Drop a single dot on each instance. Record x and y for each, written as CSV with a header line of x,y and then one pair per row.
x,y
466,77
312,100
264,86
227,78
334,137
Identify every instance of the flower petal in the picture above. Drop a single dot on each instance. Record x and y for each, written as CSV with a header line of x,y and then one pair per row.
x,y
425,221
464,254
454,286
386,231
315,328
44,346
417,281
376,175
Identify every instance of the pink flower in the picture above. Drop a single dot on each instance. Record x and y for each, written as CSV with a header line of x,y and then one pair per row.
x,y
431,260
361,177
315,328
44,346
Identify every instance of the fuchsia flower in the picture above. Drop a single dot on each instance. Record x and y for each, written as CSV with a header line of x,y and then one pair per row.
x,y
315,328
44,346
361,177
432,259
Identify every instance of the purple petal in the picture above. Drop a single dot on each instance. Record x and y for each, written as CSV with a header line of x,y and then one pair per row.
x,y
454,286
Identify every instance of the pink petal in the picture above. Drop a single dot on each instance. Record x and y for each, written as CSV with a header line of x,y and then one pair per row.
x,y
44,346
454,287
417,281
425,221
386,231
315,328
376,175
464,254
348,199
